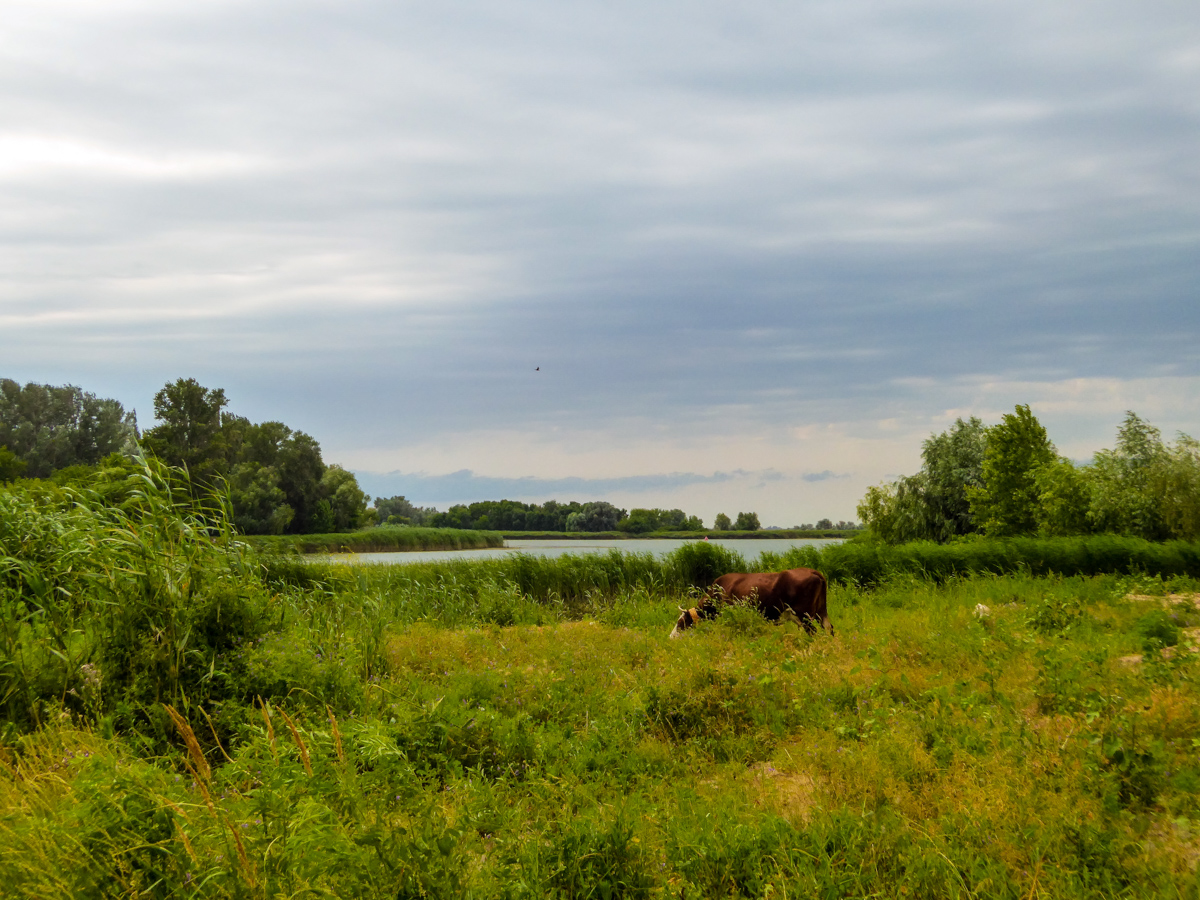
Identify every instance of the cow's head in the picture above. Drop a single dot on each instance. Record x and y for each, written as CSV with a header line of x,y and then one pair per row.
x,y
687,618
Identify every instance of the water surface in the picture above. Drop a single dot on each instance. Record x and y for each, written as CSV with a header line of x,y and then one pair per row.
x,y
749,548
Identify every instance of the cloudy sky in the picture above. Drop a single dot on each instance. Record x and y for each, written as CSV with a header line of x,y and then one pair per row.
x,y
758,251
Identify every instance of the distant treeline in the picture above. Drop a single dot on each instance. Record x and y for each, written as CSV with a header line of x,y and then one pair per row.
x,y
554,516
1008,480
274,478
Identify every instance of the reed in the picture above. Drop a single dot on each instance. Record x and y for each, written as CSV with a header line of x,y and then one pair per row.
x,y
382,539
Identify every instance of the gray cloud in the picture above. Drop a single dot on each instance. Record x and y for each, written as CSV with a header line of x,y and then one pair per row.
x,y
822,476
374,220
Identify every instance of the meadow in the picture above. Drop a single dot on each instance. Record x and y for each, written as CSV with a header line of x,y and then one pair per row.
x,y
184,717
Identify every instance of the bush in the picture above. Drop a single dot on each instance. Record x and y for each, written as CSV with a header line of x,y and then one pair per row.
x,y
1158,629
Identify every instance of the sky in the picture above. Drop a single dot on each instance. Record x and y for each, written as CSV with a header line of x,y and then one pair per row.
x,y
721,257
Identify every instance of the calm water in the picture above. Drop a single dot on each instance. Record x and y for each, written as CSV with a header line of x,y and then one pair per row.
x,y
658,546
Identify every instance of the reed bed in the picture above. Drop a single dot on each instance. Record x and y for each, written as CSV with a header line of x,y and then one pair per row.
x,y
382,539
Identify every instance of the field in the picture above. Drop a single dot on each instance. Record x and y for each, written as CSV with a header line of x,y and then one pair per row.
x,y
238,726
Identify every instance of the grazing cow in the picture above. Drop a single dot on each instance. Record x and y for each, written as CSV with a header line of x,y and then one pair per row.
x,y
797,595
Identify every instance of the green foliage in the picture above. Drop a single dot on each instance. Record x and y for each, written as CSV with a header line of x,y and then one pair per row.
x,y
398,511
190,434
641,521
147,594
1122,500
1064,493
383,539
595,516
418,735
1143,488
11,466
347,504
1054,614
934,503
953,465
722,523
700,563
1175,482
47,428
587,860
873,562
1159,629
1006,503
897,513
746,521
275,479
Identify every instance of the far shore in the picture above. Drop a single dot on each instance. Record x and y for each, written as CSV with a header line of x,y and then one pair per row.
x,y
403,538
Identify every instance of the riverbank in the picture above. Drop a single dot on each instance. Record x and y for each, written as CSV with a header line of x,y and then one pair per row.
x,y
762,534
385,539
406,538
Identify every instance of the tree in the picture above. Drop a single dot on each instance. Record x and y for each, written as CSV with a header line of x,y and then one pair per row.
x,y
932,505
190,434
49,428
1176,482
953,465
722,523
899,512
1006,503
747,521
1064,497
641,521
395,511
596,516
300,471
348,504
1122,499
11,466
259,503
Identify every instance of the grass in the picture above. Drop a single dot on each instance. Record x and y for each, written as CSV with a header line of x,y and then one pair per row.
x,y
762,534
525,728
383,539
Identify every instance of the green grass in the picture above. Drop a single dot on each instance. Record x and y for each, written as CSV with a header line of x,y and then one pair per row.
x,y
384,539
785,534
525,728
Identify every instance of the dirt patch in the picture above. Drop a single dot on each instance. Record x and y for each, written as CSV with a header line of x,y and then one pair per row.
x,y
794,794
1168,600
1178,841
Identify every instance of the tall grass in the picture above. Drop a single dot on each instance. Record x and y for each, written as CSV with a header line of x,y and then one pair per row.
x,y
925,752
383,539
133,599
186,720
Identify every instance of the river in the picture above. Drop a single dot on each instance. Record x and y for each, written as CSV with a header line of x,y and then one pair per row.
x,y
749,548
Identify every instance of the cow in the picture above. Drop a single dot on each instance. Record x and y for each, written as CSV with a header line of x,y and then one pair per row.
x,y
797,595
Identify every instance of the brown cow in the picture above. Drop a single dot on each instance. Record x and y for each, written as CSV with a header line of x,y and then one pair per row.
x,y
797,595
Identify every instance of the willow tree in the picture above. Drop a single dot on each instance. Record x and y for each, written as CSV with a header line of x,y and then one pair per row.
x,y
1008,502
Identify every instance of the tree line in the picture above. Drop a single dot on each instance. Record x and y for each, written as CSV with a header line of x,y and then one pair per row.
x,y
1008,479
554,515
274,477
